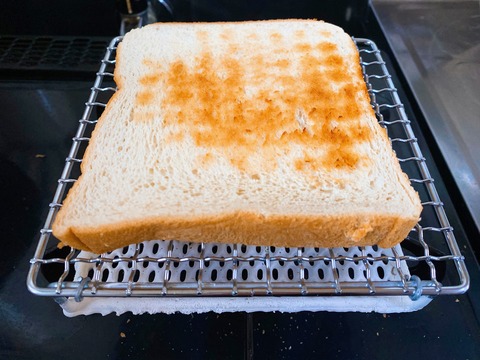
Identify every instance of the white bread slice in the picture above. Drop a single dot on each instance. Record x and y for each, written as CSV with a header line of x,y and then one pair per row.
x,y
257,133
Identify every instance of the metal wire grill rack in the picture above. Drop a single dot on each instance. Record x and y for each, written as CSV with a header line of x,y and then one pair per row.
x,y
422,264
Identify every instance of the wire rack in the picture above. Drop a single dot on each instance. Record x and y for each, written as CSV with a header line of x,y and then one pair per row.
x,y
427,262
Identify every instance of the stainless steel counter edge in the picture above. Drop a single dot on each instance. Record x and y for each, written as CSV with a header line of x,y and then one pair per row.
x,y
459,152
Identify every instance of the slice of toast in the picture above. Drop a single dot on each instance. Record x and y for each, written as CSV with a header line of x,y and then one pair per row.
x,y
257,133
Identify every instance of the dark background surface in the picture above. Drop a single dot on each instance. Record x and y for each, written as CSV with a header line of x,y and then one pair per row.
x,y
100,18
40,107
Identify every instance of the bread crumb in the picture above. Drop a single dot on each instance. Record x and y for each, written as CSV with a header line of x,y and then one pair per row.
x,y
384,316
457,300
128,320
378,334
122,335
40,156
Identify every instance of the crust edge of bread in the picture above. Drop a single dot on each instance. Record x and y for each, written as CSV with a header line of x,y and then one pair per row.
x,y
384,230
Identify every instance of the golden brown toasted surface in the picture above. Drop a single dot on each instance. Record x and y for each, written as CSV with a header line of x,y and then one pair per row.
x,y
211,100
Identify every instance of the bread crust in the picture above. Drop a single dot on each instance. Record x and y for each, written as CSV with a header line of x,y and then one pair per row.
x,y
253,229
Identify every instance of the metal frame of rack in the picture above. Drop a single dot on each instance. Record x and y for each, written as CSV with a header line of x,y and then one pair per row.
x,y
174,268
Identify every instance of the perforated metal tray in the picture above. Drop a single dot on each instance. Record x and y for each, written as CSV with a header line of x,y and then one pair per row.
x,y
428,262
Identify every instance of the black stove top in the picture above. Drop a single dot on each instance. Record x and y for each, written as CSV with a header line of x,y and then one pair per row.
x,y
41,101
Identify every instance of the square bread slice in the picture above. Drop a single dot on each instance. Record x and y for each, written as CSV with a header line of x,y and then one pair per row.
x,y
257,133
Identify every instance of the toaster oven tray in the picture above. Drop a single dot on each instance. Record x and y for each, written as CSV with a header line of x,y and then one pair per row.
x,y
222,277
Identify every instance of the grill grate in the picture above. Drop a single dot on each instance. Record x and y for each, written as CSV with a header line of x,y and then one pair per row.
x,y
418,266
181,268
50,53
